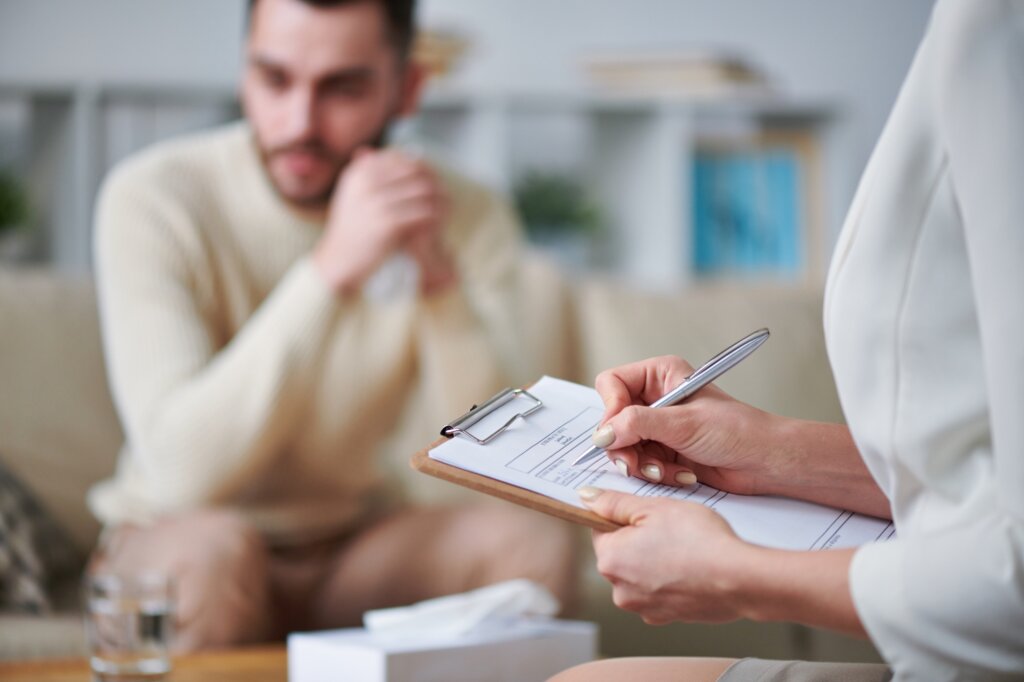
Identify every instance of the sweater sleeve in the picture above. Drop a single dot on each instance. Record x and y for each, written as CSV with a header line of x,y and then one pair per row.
x,y
951,605
470,337
199,410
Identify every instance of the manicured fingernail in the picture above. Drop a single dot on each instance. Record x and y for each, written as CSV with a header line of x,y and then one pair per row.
x,y
588,493
652,472
622,467
686,478
603,437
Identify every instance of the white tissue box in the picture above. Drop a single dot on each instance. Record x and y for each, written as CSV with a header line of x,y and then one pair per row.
x,y
527,651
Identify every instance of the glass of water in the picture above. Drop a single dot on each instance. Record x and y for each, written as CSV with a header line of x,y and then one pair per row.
x,y
129,625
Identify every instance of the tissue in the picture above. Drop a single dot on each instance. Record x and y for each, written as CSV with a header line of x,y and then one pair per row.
x,y
397,278
494,606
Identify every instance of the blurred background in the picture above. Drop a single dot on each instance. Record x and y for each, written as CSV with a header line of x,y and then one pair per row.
x,y
665,141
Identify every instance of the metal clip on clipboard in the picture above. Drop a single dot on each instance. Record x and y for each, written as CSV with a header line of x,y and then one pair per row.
x,y
460,426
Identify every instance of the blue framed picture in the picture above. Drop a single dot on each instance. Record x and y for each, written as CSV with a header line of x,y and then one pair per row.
x,y
748,212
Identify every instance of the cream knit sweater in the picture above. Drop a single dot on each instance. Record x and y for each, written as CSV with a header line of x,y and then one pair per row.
x,y
241,380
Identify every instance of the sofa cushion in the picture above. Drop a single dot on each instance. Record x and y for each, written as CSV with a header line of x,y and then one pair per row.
x,y
789,375
34,550
59,433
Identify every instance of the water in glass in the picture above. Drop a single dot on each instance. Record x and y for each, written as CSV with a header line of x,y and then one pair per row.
x,y
129,627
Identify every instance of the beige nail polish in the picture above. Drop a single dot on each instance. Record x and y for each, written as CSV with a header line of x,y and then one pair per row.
x,y
603,437
686,478
623,468
588,493
652,472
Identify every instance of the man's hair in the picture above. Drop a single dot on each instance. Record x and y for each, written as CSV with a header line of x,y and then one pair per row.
x,y
400,14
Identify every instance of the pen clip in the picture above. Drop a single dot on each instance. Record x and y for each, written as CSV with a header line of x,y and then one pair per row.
x,y
461,426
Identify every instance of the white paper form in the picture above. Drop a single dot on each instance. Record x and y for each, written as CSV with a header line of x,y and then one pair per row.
x,y
536,453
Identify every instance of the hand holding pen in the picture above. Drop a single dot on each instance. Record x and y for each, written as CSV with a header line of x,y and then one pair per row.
x,y
650,437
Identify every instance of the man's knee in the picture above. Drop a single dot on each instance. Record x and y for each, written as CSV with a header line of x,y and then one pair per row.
x,y
218,563
527,544
223,592
224,540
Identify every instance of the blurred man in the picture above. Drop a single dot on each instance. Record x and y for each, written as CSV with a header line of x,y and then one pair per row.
x,y
256,375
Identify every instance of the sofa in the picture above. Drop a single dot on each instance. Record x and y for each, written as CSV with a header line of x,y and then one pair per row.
x,y
59,432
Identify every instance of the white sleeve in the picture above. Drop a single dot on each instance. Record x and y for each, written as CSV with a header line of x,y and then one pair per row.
x,y
951,605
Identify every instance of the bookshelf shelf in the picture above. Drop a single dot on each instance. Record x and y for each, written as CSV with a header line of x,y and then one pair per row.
x,y
73,133
634,154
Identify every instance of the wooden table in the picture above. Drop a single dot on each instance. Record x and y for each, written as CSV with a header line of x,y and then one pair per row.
x,y
263,664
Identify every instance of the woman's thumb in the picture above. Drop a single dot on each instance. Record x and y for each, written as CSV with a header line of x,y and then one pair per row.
x,y
617,507
633,425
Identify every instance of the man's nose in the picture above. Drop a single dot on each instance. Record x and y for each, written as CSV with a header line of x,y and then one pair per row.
x,y
302,115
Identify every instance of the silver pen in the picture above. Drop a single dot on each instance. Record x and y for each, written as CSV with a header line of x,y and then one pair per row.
x,y
704,375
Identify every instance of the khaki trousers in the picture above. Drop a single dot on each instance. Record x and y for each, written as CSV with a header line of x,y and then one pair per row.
x,y
232,588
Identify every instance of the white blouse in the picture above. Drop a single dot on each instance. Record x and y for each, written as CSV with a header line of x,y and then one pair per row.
x,y
924,318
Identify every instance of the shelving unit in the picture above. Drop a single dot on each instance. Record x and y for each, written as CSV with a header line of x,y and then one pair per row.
x,y
72,135
634,155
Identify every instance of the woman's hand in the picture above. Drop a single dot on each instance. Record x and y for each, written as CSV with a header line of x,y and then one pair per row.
x,y
675,560
671,561
718,440
711,437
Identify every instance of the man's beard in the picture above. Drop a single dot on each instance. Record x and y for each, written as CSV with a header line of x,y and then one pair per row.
x,y
318,149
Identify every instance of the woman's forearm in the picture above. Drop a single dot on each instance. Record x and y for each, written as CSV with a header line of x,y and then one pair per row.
x,y
812,588
820,463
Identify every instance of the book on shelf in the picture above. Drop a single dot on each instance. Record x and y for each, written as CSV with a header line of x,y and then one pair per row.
x,y
439,51
683,72
753,208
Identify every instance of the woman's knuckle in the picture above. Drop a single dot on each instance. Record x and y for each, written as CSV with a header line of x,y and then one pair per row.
x,y
630,418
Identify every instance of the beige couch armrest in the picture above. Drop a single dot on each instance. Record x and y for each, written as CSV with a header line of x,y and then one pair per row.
x,y
58,429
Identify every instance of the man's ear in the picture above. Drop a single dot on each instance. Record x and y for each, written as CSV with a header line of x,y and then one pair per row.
x,y
413,82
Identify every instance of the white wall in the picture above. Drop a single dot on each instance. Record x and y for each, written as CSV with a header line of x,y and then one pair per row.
x,y
853,53
135,41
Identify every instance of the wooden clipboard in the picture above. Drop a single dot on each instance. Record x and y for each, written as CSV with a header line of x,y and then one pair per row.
x,y
422,462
